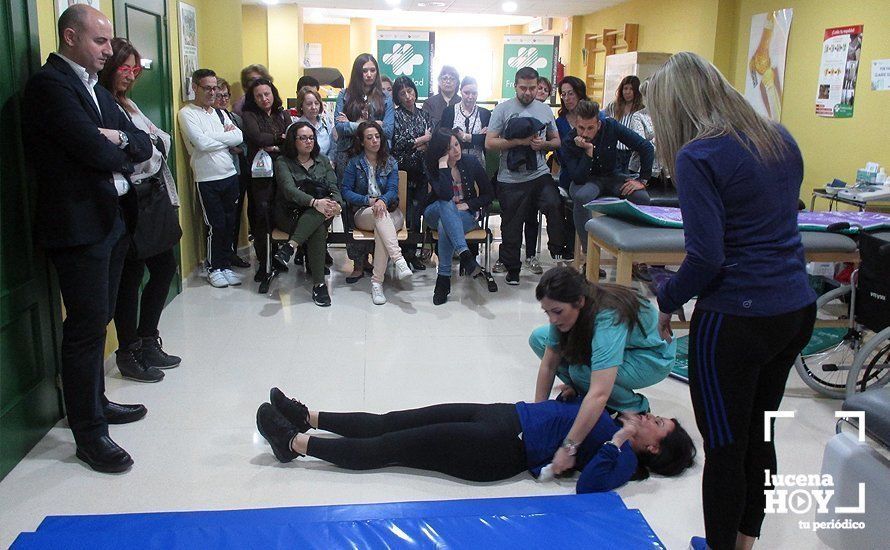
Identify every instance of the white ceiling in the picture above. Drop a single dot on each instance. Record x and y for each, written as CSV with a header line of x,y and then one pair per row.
x,y
410,9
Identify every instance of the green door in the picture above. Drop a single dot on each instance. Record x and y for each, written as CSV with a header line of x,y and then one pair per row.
x,y
30,402
144,24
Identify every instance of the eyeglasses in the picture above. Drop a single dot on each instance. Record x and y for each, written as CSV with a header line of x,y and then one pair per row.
x,y
567,93
306,139
448,77
209,88
224,96
128,69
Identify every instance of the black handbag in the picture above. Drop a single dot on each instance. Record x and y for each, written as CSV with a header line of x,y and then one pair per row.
x,y
157,223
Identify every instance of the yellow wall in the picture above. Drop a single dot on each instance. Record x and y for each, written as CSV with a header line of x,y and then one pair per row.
x,y
832,148
286,47
334,40
665,26
46,23
255,35
362,38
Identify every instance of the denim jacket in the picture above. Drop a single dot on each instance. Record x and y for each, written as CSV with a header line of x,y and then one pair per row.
x,y
604,162
355,182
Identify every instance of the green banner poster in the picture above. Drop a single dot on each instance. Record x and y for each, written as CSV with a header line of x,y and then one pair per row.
x,y
407,53
539,52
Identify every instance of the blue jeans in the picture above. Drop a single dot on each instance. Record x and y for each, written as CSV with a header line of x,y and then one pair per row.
x,y
452,225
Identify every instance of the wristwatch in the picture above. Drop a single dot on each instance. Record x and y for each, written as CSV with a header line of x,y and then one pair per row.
x,y
570,446
124,139
612,443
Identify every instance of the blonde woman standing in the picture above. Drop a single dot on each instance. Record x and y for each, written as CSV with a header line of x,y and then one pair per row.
x,y
738,176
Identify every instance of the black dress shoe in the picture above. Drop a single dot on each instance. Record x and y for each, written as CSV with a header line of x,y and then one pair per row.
x,y
117,413
104,455
238,261
352,280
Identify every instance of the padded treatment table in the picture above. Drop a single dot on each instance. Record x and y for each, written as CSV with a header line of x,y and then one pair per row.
x,y
598,520
636,243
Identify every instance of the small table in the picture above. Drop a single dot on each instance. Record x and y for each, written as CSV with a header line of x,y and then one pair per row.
x,y
834,199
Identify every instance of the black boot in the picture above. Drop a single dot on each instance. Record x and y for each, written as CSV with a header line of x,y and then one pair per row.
x,y
469,267
442,290
152,354
132,368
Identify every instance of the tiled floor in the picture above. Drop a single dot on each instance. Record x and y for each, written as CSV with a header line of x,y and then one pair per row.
x,y
198,447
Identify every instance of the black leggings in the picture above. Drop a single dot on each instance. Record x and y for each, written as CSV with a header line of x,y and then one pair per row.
x,y
469,441
738,367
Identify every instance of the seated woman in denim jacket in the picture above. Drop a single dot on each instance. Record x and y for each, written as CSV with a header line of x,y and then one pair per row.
x,y
371,188
456,206
306,200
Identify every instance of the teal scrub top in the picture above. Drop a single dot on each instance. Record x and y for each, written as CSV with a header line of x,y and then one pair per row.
x,y
643,358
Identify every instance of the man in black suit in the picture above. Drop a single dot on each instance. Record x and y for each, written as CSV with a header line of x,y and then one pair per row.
x,y
82,148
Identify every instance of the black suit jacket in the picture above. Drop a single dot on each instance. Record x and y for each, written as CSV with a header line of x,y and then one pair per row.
x,y
77,203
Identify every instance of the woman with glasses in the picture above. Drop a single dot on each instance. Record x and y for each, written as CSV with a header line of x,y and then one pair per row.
x,y
265,121
363,100
310,107
469,119
140,355
307,199
447,96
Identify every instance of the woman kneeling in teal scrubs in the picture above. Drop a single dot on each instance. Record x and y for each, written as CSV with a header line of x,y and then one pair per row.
x,y
603,343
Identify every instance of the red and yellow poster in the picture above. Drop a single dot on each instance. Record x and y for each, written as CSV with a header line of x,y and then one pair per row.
x,y
838,70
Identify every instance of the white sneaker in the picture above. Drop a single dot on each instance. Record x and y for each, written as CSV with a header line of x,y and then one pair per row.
x,y
532,264
377,295
231,277
403,272
217,278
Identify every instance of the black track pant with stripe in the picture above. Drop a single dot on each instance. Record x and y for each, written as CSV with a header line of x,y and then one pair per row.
x,y
738,367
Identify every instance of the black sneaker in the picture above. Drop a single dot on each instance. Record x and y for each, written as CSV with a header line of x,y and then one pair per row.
x,y
488,278
277,431
300,257
260,275
151,354
416,264
282,256
512,277
295,412
131,369
320,295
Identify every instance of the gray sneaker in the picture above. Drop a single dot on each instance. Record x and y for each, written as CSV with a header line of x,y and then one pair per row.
x,y
499,267
533,265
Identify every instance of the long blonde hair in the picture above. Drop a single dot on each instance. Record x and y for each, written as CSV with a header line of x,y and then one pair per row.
x,y
690,99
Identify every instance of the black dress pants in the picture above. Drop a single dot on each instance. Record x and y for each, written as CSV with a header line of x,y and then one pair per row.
x,y
89,277
517,200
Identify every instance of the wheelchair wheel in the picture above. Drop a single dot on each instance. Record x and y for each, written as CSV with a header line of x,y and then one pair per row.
x,y
827,371
825,368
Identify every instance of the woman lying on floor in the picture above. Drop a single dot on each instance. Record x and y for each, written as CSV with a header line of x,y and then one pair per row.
x,y
480,442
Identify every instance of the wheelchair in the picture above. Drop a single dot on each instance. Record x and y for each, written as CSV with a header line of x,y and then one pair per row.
x,y
859,357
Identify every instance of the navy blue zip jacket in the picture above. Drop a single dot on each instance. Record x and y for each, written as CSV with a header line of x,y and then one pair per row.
x,y
604,161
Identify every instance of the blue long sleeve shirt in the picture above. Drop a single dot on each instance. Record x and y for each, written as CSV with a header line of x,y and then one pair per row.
x,y
743,251
603,467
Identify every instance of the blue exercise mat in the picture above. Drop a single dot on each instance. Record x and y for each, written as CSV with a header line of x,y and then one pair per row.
x,y
595,520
